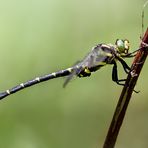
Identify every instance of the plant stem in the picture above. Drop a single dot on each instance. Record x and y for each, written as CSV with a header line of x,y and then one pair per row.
x,y
127,93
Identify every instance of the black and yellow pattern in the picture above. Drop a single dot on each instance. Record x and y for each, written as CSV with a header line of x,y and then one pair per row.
x,y
99,56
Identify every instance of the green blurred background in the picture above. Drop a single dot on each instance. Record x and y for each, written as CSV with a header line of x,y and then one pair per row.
x,y
42,36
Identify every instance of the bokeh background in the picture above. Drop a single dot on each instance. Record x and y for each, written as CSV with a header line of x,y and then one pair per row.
x,y
42,36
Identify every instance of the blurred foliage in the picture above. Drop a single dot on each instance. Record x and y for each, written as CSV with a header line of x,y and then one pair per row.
x,y
42,36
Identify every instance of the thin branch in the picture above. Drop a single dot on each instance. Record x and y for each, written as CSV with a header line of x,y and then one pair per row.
x,y
126,93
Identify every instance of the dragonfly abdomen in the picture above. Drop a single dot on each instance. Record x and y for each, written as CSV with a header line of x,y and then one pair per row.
x,y
37,80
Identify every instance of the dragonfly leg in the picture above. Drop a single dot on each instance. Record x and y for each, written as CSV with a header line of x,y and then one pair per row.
x,y
125,66
115,75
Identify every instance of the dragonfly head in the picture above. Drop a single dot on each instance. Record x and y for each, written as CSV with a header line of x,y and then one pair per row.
x,y
122,46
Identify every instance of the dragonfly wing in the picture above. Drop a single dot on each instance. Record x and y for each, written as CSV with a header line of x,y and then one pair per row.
x,y
69,78
97,57
75,72
92,61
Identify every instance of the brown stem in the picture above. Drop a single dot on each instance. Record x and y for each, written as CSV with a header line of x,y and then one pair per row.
x,y
126,93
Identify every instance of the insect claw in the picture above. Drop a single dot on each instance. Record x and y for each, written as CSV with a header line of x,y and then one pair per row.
x,y
136,91
144,44
133,74
138,63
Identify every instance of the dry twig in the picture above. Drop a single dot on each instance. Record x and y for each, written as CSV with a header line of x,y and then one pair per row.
x,y
127,93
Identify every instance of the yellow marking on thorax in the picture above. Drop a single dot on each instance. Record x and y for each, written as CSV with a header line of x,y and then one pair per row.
x,y
103,53
108,46
109,54
81,75
87,70
102,63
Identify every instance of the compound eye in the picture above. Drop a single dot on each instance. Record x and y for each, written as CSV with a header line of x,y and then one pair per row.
x,y
126,45
120,45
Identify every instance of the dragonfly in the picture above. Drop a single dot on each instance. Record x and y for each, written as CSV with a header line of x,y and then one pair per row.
x,y
99,56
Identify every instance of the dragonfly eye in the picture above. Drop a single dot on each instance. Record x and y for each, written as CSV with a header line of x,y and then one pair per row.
x,y
126,45
122,46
